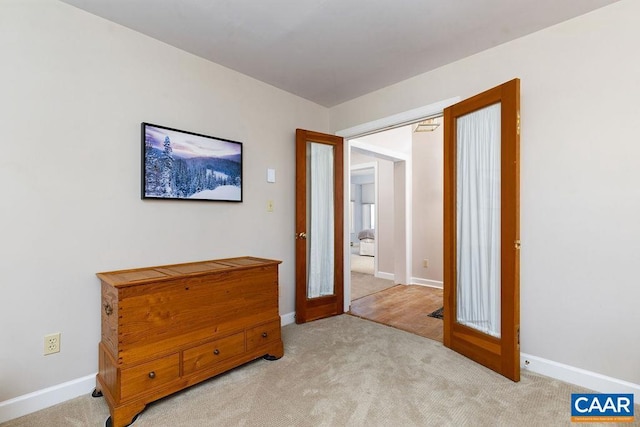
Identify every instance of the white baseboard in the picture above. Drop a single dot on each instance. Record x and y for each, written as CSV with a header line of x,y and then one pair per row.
x,y
383,275
427,282
41,399
288,318
569,374
414,280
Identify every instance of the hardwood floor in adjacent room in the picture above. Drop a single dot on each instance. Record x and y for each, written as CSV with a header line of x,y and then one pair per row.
x,y
404,307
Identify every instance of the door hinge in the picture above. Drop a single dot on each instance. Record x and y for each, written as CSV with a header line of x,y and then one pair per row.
x,y
518,336
518,123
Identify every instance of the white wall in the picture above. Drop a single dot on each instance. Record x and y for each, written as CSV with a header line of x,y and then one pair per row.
x,y
427,206
580,198
397,140
74,89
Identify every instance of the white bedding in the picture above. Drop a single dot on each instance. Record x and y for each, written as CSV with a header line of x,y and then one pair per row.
x,y
367,247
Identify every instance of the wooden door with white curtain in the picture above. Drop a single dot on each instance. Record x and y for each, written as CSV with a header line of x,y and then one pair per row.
x,y
482,228
319,225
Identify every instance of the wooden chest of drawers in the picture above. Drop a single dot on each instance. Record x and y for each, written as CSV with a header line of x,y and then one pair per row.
x,y
168,327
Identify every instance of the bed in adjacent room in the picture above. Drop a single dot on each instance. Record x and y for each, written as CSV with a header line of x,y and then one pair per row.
x,y
367,242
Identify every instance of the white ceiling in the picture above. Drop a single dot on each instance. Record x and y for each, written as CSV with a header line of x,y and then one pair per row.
x,y
331,51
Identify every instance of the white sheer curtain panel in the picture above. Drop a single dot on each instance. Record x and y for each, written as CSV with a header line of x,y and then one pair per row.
x,y
478,220
320,222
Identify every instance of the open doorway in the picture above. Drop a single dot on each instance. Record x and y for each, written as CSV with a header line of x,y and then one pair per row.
x,y
371,180
402,297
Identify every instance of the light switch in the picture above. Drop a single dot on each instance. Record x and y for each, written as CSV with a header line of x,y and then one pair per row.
x,y
269,205
271,175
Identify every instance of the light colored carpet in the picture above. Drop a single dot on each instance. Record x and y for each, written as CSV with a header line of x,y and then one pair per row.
x,y
362,264
345,371
363,281
365,284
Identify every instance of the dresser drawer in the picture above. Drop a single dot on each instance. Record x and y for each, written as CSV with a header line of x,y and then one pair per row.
x,y
149,375
263,334
209,354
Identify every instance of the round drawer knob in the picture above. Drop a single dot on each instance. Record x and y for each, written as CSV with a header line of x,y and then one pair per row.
x,y
264,335
152,374
216,352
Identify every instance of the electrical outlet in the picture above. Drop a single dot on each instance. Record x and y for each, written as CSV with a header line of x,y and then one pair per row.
x,y
52,343
425,263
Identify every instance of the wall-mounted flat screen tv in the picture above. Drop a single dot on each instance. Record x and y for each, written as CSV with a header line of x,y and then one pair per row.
x,y
178,164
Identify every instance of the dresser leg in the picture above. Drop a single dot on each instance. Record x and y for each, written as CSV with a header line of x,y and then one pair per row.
x,y
275,352
270,357
109,423
125,415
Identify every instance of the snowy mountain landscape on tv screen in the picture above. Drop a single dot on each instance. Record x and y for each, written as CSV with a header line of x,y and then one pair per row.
x,y
188,166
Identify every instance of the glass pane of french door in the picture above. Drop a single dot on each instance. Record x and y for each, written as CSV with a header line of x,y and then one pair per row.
x,y
478,219
320,220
